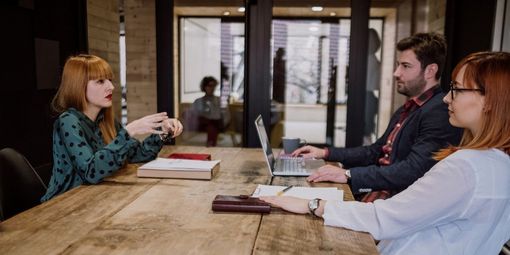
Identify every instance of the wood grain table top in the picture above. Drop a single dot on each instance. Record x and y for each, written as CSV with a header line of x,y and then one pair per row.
x,y
129,215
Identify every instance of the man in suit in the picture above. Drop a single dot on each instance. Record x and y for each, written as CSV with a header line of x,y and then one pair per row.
x,y
416,130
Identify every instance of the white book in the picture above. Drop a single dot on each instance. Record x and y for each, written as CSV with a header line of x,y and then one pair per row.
x,y
326,193
179,168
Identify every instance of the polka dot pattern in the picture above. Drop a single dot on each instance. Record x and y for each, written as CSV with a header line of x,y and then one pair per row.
x,y
81,157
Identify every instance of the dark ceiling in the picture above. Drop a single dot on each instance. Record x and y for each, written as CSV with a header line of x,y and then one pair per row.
x,y
285,3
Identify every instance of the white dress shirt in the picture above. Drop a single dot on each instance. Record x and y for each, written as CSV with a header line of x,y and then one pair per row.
x,y
460,206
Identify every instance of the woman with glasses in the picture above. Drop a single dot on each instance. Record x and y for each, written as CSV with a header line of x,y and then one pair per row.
x,y
462,205
88,144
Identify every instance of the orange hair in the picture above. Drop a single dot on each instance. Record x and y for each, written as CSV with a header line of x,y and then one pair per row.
x,y
489,71
78,71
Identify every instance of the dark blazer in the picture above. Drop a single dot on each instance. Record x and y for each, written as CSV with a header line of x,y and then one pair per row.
x,y
426,130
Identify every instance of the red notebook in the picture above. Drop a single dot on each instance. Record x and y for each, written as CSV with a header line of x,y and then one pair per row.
x,y
195,156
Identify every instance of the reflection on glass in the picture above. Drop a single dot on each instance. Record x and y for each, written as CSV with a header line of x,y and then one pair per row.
x,y
211,54
304,47
310,59
372,89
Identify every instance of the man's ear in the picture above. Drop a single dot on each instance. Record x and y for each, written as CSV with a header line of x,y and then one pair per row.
x,y
431,70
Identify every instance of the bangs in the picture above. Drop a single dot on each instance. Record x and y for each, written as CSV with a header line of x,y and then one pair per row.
x,y
99,69
470,75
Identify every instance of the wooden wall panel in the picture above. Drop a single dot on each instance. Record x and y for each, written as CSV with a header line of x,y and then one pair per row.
x,y
140,23
103,25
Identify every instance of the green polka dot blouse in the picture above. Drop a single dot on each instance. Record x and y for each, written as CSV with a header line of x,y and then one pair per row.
x,y
81,157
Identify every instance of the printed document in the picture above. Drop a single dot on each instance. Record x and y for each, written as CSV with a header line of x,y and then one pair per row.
x,y
326,193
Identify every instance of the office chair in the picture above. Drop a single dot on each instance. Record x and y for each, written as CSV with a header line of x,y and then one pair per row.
x,y
506,249
21,187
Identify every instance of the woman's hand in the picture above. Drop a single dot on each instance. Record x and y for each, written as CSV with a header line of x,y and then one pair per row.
x,y
172,127
152,124
291,204
309,152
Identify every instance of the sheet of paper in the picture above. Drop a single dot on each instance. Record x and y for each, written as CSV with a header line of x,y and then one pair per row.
x,y
330,193
180,164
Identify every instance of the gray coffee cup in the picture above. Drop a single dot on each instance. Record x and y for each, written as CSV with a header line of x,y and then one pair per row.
x,y
291,144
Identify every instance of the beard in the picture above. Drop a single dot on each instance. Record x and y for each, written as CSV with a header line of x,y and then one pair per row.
x,y
413,87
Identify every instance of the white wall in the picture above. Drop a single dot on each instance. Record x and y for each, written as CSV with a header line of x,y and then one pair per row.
x,y
200,55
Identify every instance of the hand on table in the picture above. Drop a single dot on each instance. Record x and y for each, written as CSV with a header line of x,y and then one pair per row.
x,y
291,204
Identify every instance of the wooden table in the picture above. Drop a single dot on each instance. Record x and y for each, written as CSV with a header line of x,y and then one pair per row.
x,y
130,215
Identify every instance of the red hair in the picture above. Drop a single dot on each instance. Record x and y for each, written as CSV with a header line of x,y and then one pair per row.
x,y
78,71
489,71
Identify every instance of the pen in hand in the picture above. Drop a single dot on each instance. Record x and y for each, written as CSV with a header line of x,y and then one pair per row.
x,y
284,190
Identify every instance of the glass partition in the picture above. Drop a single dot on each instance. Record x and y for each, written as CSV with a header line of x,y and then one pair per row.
x,y
211,84
310,67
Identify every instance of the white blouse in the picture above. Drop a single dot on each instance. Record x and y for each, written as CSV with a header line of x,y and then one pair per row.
x,y
460,206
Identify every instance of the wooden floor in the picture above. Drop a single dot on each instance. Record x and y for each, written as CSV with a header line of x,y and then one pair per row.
x,y
130,215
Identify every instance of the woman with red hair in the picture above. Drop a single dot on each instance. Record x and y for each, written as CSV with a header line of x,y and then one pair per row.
x,y
88,144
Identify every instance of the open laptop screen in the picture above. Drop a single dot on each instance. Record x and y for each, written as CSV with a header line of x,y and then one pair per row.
x,y
264,141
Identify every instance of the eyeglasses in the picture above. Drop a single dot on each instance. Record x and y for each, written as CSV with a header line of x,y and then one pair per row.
x,y
454,90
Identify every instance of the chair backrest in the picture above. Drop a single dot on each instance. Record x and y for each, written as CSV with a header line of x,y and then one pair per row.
x,y
21,187
506,249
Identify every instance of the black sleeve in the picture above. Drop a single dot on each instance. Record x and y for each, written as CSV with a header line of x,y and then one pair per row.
x,y
362,155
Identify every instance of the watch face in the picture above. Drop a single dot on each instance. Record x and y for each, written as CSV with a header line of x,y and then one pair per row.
x,y
313,204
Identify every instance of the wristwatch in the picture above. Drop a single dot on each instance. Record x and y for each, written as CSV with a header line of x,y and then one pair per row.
x,y
313,205
348,174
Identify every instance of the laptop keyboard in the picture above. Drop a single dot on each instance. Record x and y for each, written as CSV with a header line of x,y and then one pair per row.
x,y
290,165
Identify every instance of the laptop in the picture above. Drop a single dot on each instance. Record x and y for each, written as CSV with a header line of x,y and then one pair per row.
x,y
284,165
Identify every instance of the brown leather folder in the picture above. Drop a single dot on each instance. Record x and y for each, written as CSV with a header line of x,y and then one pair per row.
x,y
242,203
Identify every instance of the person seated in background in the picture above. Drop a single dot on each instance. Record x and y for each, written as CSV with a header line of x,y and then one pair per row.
x,y
460,206
88,143
416,130
211,117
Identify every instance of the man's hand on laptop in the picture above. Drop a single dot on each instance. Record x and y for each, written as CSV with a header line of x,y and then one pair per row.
x,y
328,173
309,152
